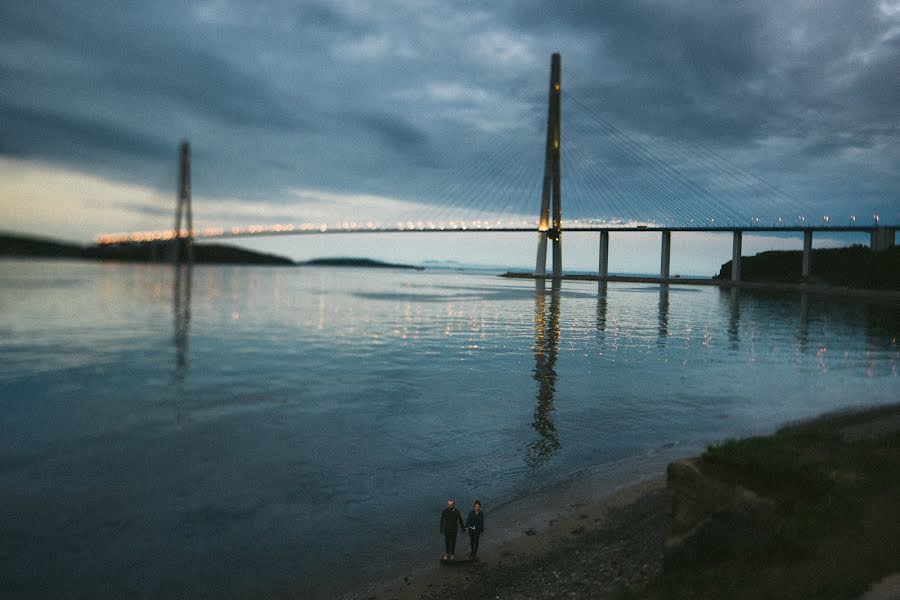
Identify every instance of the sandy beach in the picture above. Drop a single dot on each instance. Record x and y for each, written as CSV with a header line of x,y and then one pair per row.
x,y
583,549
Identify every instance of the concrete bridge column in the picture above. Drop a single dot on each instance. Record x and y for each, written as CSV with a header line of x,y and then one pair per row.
x,y
604,254
540,268
882,238
665,252
736,256
807,252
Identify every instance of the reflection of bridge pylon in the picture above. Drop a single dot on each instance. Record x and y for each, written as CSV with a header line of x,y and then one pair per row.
x,y
546,349
181,299
184,238
181,311
551,229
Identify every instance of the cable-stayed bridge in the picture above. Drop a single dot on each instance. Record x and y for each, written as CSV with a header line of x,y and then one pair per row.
x,y
613,181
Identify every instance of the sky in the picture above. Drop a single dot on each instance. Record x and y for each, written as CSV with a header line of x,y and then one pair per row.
x,y
308,112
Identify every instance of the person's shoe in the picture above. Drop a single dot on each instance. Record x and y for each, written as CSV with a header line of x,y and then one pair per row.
x,y
445,557
451,557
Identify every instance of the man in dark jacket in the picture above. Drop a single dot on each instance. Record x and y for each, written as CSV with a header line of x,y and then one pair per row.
x,y
450,517
475,523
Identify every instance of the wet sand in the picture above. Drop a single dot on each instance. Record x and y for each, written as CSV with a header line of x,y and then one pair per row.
x,y
583,549
598,542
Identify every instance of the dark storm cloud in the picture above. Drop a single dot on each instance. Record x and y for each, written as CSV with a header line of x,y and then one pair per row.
x,y
732,71
805,94
206,85
673,68
396,132
361,99
31,132
125,62
323,16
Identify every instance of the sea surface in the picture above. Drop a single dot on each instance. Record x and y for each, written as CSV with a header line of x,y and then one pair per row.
x,y
265,431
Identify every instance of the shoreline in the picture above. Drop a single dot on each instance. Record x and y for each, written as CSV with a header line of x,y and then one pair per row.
x,y
598,539
827,290
569,527
525,529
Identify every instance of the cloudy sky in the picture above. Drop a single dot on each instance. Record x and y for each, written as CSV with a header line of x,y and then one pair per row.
x,y
346,110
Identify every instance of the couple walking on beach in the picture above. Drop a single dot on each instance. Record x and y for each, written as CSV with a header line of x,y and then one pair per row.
x,y
474,524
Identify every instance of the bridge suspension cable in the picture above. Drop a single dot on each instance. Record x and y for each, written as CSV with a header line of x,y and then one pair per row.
x,y
611,176
665,181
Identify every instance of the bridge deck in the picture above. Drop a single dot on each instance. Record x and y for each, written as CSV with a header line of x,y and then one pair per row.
x,y
148,236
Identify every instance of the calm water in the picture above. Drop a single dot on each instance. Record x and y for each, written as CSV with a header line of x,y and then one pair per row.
x,y
250,431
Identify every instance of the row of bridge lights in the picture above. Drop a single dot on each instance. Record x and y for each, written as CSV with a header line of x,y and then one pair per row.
x,y
780,222
826,219
161,235
755,221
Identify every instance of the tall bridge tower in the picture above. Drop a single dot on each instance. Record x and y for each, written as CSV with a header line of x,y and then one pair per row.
x,y
551,228
184,239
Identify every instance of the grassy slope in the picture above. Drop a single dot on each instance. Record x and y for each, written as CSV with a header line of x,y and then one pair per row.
x,y
837,524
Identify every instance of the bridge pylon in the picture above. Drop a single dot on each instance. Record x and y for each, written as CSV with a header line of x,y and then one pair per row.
x,y
550,226
184,238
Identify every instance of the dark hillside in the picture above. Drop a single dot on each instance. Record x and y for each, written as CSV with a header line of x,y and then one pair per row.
x,y
20,246
855,266
23,246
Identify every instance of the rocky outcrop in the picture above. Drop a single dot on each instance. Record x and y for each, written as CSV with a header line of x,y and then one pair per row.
x,y
699,503
886,589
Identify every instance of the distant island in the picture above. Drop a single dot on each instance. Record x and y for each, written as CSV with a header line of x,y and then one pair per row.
x,y
20,246
367,263
855,267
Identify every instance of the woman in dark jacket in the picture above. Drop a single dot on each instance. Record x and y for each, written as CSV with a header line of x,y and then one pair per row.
x,y
475,525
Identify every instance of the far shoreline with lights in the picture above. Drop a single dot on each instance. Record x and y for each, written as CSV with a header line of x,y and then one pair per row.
x,y
876,273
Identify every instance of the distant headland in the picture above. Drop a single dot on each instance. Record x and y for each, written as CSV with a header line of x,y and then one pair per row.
x,y
366,263
853,270
853,267
23,246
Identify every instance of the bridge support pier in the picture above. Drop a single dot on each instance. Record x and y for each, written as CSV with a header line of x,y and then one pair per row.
x,y
664,254
882,238
736,256
603,270
540,269
807,253
557,253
